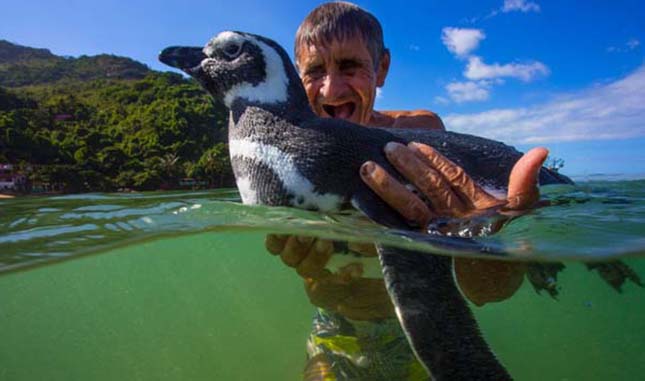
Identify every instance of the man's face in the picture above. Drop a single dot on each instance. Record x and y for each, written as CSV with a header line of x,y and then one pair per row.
x,y
340,79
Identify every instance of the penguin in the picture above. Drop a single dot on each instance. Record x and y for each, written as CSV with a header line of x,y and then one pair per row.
x,y
283,154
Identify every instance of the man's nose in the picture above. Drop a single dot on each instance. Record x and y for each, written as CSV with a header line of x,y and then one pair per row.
x,y
334,86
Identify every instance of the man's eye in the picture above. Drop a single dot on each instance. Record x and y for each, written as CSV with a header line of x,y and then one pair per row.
x,y
315,73
349,67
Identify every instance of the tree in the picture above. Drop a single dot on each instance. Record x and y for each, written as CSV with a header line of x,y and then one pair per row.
x,y
141,133
215,167
171,168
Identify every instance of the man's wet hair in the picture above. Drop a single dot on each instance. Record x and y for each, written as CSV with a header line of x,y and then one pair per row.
x,y
340,21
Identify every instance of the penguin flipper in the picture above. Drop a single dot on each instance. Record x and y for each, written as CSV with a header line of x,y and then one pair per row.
x,y
436,319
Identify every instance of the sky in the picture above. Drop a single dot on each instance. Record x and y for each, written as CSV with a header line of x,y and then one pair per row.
x,y
566,75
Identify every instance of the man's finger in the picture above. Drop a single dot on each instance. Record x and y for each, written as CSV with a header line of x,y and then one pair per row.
x,y
274,243
313,265
395,194
455,175
295,250
523,191
427,180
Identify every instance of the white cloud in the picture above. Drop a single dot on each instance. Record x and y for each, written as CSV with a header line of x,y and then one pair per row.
x,y
520,5
633,43
461,41
477,69
441,100
513,6
468,91
481,76
414,48
379,93
611,111
629,45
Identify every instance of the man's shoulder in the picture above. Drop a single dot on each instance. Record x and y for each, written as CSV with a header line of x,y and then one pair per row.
x,y
408,119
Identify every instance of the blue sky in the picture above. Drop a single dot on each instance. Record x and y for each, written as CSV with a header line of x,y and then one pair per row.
x,y
568,75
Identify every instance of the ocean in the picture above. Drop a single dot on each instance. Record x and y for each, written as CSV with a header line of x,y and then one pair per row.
x,y
179,286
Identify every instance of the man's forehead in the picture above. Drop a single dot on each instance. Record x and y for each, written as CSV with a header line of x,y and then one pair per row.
x,y
348,48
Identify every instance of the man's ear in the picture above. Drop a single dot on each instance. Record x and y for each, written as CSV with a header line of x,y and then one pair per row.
x,y
382,69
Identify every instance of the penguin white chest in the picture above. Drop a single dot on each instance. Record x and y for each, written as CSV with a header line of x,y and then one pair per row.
x,y
284,167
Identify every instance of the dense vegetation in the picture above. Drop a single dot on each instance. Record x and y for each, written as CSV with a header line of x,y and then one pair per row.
x,y
103,123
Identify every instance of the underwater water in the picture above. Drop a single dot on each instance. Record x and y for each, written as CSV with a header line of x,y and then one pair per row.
x,y
179,286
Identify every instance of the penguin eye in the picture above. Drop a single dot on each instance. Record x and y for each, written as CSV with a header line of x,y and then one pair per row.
x,y
232,49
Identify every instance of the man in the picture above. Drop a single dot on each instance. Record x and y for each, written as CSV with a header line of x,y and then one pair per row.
x,y
342,60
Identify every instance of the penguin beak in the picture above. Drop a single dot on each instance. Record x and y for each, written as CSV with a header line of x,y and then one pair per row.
x,y
182,57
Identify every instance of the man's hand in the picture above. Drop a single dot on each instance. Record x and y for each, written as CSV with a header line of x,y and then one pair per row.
x,y
307,255
345,292
453,193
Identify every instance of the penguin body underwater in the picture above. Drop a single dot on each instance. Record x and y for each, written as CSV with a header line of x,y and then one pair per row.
x,y
283,154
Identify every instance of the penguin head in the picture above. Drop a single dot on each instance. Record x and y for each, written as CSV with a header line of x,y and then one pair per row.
x,y
236,66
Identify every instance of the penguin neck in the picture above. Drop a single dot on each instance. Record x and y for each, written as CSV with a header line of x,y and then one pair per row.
x,y
294,110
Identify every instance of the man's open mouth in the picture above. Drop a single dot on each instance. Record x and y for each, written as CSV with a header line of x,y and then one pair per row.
x,y
342,111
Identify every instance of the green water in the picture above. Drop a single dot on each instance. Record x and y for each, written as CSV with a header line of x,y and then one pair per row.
x,y
179,287
204,307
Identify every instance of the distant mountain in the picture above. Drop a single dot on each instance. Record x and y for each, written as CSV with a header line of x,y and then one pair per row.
x,y
25,66
12,53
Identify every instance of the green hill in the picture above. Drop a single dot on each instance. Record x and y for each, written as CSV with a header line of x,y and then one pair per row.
x,y
100,123
12,53
24,66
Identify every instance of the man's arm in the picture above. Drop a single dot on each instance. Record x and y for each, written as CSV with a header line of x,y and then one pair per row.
x,y
453,193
